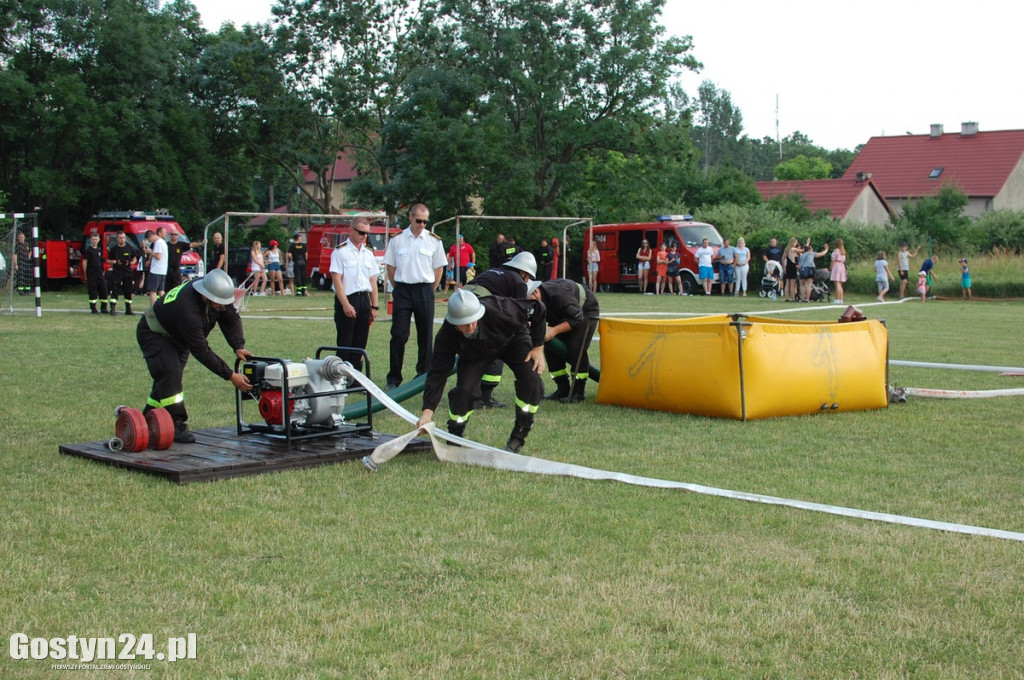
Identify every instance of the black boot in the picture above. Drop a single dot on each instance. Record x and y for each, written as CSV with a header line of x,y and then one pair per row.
x,y
128,309
456,429
113,308
182,435
92,308
487,399
524,423
103,308
577,392
562,391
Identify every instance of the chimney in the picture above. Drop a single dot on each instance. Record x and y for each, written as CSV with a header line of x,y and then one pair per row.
x,y
863,176
936,130
968,129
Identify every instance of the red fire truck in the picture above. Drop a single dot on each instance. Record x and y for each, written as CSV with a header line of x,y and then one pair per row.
x,y
61,260
323,238
618,244
135,224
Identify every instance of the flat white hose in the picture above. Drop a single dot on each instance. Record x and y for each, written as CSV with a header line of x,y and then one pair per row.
x,y
471,453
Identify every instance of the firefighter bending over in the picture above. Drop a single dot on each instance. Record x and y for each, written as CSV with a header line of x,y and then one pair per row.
x,y
178,325
572,315
479,331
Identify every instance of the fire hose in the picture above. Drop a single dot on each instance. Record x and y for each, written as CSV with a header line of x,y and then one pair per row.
x,y
467,452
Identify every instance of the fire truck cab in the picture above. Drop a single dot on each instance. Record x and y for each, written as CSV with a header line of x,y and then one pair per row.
x,y
323,238
135,224
619,243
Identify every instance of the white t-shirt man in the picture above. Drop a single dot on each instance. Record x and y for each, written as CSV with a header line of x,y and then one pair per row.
x,y
704,255
158,265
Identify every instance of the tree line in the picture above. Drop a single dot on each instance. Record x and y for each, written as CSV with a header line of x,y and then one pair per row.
x,y
515,107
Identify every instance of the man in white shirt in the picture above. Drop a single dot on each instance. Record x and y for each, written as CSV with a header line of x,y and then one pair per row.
x,y
415,262
354,273
157,250
705,268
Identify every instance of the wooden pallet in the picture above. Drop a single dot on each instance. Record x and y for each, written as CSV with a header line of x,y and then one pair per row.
x,y
220,453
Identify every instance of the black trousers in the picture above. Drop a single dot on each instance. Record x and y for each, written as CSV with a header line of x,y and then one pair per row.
x,y
529,385
411,299
353,332
123,283
166,361
299,274
97,287
577,342
173,279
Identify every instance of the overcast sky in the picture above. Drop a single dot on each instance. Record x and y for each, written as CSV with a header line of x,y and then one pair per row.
x,y
841,72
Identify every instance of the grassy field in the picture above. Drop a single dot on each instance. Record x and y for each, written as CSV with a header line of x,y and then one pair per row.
x,y
441,571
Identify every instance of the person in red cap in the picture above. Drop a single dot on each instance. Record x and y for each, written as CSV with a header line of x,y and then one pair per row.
x,y
273,259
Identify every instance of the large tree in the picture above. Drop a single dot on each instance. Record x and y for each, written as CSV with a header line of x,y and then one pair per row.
x,y
717,127
344,65
560,83
99,111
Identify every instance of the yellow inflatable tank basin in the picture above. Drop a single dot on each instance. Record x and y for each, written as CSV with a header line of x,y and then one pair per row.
x,y
743,367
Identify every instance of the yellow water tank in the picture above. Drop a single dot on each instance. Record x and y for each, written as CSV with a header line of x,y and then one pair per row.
x,y
743,367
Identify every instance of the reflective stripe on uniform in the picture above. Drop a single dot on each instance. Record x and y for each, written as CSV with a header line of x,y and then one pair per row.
x,y
526,408
491,379
459,419
560,372
163,403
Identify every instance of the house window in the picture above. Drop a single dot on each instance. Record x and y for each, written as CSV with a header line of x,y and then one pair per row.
x,y
935,173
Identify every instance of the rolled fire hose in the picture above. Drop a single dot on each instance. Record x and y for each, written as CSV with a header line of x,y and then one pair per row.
x,y
471,453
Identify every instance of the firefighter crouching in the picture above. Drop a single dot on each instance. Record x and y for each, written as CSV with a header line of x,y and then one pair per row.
x,y
479,331
572,316
177,325
505,280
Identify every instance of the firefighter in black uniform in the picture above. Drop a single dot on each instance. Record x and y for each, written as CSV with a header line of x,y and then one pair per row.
x,y
297,254
95,283
175,249
177,325
479,330
572,316
508,280
122,257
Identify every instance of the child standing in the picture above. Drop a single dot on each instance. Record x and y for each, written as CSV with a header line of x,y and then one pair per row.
x,y
922,284
965,280
882,275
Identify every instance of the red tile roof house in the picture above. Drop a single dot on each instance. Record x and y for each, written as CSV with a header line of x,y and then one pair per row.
x,y
988,167
856,200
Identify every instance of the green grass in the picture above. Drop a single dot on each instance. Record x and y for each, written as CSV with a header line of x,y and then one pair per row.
x,y
441,571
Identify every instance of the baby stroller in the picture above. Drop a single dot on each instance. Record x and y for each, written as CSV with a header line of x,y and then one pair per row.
x,y
820,292
771,285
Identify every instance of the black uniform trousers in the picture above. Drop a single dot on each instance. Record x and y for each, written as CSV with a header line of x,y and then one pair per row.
x,y
577,342
299,274
529,384
123,283
166,361
97,287
353,332
411,299
173,279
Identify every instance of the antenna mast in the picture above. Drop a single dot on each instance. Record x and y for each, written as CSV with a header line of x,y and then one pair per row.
x,y
778,137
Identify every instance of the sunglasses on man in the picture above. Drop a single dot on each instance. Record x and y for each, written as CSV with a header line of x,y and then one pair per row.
x,y
418,221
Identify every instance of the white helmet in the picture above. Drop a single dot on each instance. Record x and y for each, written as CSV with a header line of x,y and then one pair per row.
x,y
531,287
216,286
524,262
463,308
